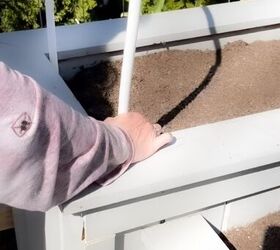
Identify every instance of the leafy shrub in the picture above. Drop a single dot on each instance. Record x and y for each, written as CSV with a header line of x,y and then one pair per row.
x,y
73,11
29,14
154,6
19,14
23,14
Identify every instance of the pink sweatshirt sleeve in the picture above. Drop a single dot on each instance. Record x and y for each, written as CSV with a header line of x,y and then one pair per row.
x,y
48,151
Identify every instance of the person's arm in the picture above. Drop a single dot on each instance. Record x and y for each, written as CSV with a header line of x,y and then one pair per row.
x,y
49,152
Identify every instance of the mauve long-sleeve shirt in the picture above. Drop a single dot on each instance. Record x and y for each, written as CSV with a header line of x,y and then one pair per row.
x,y
48,151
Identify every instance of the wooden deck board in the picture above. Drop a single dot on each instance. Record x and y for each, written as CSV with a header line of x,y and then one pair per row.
x,y
6,218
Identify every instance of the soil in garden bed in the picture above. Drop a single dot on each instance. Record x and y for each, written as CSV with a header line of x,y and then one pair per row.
x,y
263,234
181,89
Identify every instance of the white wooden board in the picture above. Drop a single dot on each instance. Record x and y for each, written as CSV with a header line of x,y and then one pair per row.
x,y
199,154
141,213
6,218
244,211
181,234
36,65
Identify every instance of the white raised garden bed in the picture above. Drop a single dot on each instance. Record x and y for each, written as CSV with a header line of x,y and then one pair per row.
x,y
214,170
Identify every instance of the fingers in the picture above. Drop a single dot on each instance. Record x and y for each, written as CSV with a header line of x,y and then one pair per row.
x,y
162,140
146,137
157,129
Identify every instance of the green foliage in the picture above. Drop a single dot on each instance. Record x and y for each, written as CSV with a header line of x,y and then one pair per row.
x,y
200,3
27,14
173,5
19,14
23,14
154,6
73,11
150,6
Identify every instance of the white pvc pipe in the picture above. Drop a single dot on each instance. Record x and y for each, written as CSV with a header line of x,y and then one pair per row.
x,y
134,10
51,34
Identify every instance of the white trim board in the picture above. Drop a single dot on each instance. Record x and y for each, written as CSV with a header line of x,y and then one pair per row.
x,y
237,146
185,233
108,36
145,212
37,66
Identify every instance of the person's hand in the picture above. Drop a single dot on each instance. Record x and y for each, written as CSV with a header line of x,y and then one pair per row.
x,y
146,137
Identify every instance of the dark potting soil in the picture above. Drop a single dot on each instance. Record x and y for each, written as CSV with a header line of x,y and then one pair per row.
x,y
181,89
263,234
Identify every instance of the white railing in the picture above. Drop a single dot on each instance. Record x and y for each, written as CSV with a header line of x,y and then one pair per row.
x,y
128,55
51,33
